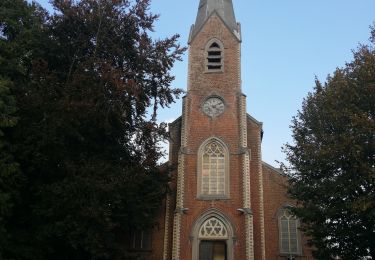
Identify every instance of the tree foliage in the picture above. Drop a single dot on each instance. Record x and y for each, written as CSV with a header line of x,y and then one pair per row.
x,y
9,171
85,84
332,160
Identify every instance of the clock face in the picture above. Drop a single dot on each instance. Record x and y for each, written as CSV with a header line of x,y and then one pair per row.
x,y
213,106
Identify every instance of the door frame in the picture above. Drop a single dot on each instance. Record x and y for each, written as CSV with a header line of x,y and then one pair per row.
x,y
194,235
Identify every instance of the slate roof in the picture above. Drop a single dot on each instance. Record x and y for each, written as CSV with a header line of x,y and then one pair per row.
x,y
223,8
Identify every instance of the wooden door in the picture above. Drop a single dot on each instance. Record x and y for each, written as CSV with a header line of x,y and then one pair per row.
x,y
213,250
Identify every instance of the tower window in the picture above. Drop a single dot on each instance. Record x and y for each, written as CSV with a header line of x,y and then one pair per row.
x,y
213,172
214,62
289,237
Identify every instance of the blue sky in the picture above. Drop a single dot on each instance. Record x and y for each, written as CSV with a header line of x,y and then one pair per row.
x,y
285,45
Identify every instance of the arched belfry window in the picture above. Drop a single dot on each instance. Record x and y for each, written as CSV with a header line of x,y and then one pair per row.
x,y
213,170
289,233
214,56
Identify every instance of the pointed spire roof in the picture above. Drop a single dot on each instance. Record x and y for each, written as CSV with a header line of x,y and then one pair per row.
x,y
223,8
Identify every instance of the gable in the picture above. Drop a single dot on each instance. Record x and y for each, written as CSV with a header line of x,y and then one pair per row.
x,y
194,31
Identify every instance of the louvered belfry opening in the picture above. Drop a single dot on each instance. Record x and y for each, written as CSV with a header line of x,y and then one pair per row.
x,y
214,57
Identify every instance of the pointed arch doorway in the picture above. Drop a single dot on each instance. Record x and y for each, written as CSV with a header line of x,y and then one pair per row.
x,y
212,238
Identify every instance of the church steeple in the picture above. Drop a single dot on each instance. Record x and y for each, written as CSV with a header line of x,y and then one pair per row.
x,y
223,8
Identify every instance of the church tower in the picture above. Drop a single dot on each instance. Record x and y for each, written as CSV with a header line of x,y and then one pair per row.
x,y
219,196
225,202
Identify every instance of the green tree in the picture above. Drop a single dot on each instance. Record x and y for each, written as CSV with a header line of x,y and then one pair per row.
x,y
332,160
17,24
9,173
86,140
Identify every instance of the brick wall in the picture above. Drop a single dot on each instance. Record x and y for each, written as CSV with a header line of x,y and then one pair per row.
x,y
275,185
267,190
254,142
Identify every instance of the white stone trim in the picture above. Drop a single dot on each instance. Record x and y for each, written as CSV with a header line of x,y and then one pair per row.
x,y
184,124
249,232
176,244
246,181
176,236
166,228
239,68
179,205
189,70
249,237
243,121
261,199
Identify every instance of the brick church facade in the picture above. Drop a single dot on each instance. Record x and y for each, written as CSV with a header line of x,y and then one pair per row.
x,y
226,203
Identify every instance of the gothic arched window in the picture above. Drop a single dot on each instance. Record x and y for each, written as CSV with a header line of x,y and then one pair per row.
x,y
214,56
289,233
213,170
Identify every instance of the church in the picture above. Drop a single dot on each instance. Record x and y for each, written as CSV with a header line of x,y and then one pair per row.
x,y
226,203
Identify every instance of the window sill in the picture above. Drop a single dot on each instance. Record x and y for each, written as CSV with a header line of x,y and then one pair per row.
x,y
208,197
214,71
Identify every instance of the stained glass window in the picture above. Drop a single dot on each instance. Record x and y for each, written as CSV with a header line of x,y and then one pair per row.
x,y
213,169
288,225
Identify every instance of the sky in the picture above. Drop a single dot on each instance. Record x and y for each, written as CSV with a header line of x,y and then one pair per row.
x,y
285,45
